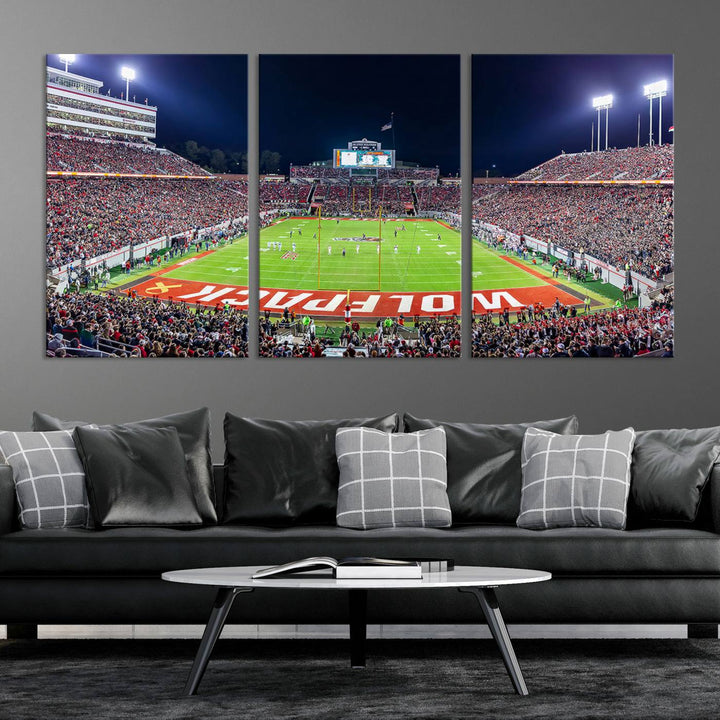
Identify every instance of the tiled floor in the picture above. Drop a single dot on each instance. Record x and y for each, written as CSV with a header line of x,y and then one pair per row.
x,y
374,631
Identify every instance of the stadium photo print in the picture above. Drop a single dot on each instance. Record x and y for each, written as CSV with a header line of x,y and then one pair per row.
x,y
147,206
360,199
572,206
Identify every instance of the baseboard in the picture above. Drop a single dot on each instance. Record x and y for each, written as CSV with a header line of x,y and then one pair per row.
x,y
479,630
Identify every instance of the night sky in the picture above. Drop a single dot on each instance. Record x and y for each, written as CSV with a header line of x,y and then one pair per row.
x,y
199,97
311,104
528,108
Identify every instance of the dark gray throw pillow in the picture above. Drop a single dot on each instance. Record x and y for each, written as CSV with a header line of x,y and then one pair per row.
x,y
193,428
670,468
42,422
483,466
136,476
285,472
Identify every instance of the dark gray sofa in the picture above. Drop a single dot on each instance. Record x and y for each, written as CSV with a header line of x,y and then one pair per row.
x,y
640,575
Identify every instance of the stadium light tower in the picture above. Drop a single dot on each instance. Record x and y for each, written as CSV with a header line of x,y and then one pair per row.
x,y
604,102
656,90
67,59
127,75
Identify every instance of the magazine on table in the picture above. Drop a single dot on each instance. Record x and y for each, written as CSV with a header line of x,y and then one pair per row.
x,y
350,568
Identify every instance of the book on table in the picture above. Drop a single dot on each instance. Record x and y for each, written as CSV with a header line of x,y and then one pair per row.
x,y
351,568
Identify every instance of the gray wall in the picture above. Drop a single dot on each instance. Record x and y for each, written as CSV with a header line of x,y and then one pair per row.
x,y
603,393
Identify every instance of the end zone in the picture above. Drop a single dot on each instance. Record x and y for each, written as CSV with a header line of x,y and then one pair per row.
x,y
331,303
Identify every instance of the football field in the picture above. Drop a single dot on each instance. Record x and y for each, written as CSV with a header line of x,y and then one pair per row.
x,y
413,255
320,267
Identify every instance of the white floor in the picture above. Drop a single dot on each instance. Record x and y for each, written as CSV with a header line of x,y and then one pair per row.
x,y
341,631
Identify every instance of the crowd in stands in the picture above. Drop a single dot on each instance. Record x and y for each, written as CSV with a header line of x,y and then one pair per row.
x,y
616,224
445,198
74,154
85,324
635,163
95,108
55,118
620,332
273,194
394,199
427,337
318,171
91,216
419,174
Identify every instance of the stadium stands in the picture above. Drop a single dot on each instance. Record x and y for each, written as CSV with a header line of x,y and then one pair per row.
x,y
440,198
616,224
91,216
431,337
641,163
78,323
622,332
74,154
394,175
279,194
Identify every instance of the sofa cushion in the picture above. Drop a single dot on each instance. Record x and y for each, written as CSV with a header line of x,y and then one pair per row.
x,y
136,476
193,427
575,480
563,551
49,478
282,472
483,464
392,479
42,422
670,469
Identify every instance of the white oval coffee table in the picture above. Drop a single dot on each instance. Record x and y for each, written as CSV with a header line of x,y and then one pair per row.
x,y
479,581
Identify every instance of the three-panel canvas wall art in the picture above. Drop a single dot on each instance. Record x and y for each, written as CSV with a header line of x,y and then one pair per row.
x,y
367,244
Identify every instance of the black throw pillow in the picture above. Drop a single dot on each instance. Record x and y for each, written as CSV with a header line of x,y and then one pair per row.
x,y
193,427
670,469
285,472
136,476
483,466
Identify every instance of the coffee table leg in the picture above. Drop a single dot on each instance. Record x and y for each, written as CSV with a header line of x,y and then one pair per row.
x,y
357,601
221,608
488,603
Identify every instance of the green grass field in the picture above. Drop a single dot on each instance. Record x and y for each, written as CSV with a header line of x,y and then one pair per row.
x,y
491,272
435,267
227,265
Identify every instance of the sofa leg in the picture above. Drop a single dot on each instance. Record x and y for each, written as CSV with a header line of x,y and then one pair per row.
x,y
22,631
702,630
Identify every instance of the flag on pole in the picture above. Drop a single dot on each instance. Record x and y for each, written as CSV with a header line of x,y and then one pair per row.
x,y
387,126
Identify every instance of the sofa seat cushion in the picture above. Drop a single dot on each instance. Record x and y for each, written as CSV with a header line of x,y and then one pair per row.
x,y
562,551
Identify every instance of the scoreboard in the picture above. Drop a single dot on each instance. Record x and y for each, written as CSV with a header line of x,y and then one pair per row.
x,y
357,158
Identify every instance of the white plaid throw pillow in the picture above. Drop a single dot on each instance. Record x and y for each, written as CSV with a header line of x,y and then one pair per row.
x,y
49,478
575,480
392,479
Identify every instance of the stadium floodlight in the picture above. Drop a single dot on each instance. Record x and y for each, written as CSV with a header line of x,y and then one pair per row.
x,y
68,59
651,91
603,102
127,74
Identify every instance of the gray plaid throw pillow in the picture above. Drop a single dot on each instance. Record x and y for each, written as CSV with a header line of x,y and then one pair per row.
x,y
392,479
575,480
49,478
